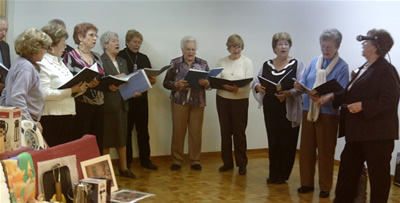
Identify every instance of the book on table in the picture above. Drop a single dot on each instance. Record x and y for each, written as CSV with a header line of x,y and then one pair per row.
x,y
137,83
271,86
193,76
218,83
154,72
85,75
325,88
129,196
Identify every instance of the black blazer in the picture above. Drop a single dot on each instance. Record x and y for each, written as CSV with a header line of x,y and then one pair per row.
x,y
378,89
5,53
113,100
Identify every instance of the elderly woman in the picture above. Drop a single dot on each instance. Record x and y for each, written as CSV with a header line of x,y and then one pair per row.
x,y
320,123
282,110
138,114
59,107
187,104
368,120
233,104
23,82
115,108
89,106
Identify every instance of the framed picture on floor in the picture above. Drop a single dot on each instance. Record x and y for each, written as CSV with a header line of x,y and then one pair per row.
x,y
100,167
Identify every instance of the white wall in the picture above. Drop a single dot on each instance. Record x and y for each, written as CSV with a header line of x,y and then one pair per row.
x,y
164,23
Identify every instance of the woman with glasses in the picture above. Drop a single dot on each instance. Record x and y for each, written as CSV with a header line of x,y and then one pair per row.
x,y
368,121
89,106
23,83
233,104
320,123
282,109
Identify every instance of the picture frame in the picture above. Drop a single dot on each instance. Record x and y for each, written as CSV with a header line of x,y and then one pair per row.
x,y
100,167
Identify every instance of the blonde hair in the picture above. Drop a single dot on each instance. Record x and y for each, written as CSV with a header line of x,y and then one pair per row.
x,y
31,41
132,34
281,36
235,40
56,32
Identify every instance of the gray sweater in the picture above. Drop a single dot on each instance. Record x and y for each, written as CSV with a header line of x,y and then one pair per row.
x,y
23,89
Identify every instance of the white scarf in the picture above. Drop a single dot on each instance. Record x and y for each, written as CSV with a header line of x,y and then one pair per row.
x,y
320,79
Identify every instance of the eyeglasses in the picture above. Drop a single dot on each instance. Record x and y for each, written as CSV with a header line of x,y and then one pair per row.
x,y
236,47
93,35
283,44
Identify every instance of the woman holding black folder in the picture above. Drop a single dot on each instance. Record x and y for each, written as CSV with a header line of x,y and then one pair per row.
x,y
368,120
282,109
233,105
59,107
320,123
89,106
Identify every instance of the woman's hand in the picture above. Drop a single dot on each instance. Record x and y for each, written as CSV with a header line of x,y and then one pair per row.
x,y
203,82
181,84
282,95
354,107
80,87
137,94
113,88
231,88
325,99
297,86
93,83
260,88
152,80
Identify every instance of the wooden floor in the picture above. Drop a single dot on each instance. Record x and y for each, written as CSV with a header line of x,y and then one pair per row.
x,y
209,185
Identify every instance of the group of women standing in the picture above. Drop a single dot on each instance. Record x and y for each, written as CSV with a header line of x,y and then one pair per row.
x,y
368,104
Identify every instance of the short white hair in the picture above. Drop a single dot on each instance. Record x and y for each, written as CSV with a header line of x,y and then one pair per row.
x,y
186,40
105,38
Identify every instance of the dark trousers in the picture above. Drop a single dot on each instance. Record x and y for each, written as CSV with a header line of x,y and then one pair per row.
x,y
282,140
233,114
138,115
89,120
377,154
58,129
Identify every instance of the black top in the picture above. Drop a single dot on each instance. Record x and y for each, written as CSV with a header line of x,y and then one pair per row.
x,y
378,91
5,53
275,76
141,60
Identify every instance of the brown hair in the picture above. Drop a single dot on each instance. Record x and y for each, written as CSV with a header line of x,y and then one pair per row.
x,y
383,41
235,40
82,29
281,36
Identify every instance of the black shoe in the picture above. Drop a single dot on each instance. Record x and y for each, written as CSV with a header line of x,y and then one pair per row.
x,y
280,181
305,189
225,168
324,194
242,170
175,167
127,173
196,167
149,165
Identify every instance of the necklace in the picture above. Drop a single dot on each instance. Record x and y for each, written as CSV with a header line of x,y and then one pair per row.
x,y
134,64
85,52
84,57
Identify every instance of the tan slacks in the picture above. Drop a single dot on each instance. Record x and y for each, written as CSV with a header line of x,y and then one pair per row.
x,y
318,142
183,118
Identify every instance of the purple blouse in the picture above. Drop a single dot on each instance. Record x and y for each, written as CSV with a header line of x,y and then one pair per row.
x,y
187,96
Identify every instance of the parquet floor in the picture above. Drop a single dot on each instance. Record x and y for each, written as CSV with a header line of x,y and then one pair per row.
x,y
209,185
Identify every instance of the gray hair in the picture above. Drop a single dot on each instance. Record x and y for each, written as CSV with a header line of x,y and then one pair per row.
x,y
186,40
58,22
331,34
105,38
